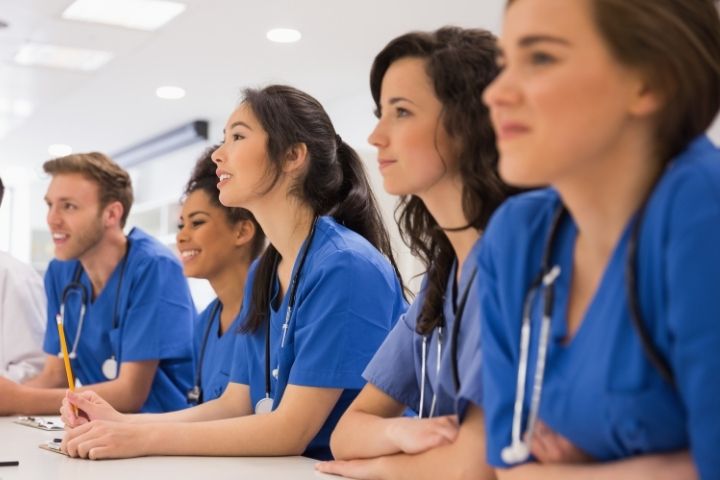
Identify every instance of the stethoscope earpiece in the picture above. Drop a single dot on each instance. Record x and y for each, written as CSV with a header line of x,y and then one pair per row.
x,y
516,452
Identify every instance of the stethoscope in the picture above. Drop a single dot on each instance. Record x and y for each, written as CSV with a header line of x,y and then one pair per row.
x,y
519,450
110,365
195,394
265,404
454,355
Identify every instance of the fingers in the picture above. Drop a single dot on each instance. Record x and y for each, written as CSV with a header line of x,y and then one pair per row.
x,y
336,467
74,437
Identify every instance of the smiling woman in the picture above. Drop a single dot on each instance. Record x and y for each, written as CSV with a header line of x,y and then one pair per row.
x,y
216,243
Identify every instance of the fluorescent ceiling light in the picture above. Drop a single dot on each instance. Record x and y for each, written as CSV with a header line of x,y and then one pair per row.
x,y
17,107
59,150
162,144
170,92
37,54
283,35
138,14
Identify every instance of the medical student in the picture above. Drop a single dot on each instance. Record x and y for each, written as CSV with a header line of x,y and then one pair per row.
x,y
436,149
323,297
22,318
216,243
600,298
123,300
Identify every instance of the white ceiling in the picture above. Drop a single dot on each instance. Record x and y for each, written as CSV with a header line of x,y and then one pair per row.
x,y
213,49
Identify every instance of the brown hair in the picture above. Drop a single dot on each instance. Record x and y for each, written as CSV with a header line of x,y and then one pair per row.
x,y
203,178
113,182
460,64
676,44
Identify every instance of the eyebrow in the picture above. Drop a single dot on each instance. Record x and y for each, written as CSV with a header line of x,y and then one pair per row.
x,y
531,40
238,124
395,100
61,199
198,212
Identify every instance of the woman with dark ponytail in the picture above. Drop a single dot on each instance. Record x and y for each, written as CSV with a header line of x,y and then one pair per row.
x,y
436,149
322,297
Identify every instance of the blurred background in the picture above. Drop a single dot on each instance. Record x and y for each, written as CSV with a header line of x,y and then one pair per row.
x,y
152,83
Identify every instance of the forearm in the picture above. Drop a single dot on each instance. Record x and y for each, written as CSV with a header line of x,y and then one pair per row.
x,y
251,435
362,435
441,462
47,379
218,409
671,466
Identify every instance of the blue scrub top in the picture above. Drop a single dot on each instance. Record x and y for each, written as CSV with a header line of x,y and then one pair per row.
x,y
155,320
396,367
600,390
218,356
348,299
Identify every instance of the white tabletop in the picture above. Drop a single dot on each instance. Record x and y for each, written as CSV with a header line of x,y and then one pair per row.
x,y
18,442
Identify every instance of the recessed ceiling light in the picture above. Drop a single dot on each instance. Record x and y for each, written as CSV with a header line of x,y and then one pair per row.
x,y
138,14
283,35
170,92
37,54
59,150
17,107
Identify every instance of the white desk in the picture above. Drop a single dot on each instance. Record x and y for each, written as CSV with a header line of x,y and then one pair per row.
x,y
18,442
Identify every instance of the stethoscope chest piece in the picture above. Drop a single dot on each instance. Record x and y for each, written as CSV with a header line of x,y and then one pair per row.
x,y
264,405
516,452
109,368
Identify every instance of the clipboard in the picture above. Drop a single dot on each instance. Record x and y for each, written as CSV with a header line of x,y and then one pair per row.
x,y
52,446
50,424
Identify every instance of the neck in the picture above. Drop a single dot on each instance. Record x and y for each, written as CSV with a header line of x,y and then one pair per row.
x,y
102,259
229,286
444,203
608,191
286,222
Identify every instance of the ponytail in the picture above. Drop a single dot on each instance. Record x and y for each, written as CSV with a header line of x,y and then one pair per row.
x,y
334,184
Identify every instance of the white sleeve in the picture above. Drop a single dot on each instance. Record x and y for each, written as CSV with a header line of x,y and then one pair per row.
x,y
22,322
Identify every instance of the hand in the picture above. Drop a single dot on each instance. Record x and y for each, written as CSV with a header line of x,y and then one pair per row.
x,y
550,447
8,390
101,439
412,435
364,469
90,406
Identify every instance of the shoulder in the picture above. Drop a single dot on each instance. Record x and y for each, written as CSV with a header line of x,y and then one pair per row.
x,y
690,186
16,269
339,248
520,219
147,252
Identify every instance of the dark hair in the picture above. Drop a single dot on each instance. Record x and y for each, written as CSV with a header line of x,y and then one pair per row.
x,y
676,44
460,64
203,178
113,182
335,182
2,191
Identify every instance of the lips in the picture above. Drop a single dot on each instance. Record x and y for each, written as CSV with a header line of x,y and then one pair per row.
x,y
188,255
59,238
510,130
384,163
223,177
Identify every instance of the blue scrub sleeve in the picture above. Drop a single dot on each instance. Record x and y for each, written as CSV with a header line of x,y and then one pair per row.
x,y
340,323
158,321
51,343
470,359
499,343
392,369
693,259
240,362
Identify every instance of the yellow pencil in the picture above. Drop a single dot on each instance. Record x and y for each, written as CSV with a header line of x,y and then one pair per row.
x,y
66,357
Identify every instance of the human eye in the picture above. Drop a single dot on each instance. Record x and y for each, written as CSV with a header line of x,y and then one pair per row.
x,y
69,206
539,58
236,136
197,223
180,226
401,112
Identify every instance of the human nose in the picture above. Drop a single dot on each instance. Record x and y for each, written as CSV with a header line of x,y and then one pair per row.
x,y
378,138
